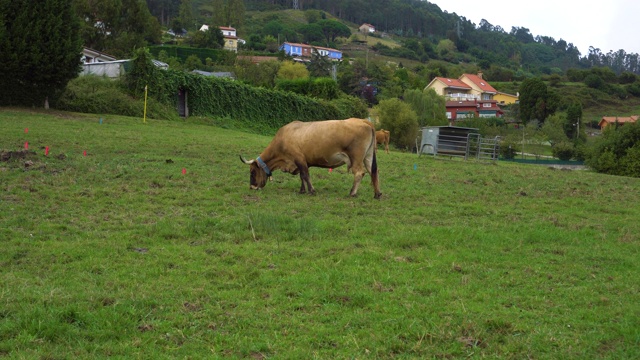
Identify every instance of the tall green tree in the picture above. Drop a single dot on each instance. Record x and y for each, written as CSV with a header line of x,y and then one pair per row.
x,y
536,101
333,29
398,117
40,50
236,13
320,66
574,128
118,27
186,14
430,107
218,17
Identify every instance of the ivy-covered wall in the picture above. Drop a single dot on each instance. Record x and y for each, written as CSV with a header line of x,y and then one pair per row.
x,y
218,97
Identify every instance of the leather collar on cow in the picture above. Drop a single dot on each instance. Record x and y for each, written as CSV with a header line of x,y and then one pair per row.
x,y
264,166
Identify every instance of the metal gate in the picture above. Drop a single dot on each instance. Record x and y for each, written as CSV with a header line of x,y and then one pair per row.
x,y
458,142
483,148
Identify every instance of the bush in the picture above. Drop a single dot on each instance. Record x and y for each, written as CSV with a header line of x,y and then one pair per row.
x,y
398,117
100,95
563,151
508,149
351,106
617,152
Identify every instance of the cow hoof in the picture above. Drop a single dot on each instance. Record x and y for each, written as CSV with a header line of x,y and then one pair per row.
x,y
377,196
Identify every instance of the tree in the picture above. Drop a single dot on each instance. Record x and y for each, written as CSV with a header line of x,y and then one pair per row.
x,y
320,66
536,101
333,29
617,152
446,49
186,14
290,70
574,129
118,27
401,121
554,129
219,14
40,50
429,107
211,38
236,13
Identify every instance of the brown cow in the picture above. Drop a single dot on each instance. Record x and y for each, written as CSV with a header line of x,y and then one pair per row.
x,y
326,144
382,137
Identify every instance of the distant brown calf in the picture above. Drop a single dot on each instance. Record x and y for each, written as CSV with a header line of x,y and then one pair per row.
x,y
382,137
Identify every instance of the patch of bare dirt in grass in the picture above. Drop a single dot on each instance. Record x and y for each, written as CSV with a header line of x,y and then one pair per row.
x,y
145,328
7,156
192,307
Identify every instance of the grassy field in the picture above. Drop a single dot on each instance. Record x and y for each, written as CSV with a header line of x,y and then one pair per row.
x,y
153,246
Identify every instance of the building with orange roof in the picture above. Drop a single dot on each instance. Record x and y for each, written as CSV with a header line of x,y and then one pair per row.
x,y
620,120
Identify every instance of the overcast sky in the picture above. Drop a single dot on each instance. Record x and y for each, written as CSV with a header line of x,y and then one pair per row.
x,y
611,25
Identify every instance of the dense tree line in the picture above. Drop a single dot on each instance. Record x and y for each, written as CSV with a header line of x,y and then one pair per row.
x,y
517,49
516,52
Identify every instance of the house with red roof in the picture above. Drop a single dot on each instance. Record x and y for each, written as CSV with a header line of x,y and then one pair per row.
x,y
367,28
620,120
468,96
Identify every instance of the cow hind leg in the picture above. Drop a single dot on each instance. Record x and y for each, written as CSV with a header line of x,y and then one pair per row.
x,y
357,178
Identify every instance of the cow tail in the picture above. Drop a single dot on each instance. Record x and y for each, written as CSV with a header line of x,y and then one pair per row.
x,y
374,163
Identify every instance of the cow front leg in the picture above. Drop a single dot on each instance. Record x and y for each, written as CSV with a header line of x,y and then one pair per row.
x,y
304,179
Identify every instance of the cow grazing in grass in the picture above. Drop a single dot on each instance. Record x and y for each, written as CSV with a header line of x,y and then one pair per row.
x,y
382,137
298,146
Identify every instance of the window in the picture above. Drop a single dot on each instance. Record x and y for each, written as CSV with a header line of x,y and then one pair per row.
x,y
487,105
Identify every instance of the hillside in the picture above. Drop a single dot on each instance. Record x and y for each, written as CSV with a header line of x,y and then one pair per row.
x,y
596,103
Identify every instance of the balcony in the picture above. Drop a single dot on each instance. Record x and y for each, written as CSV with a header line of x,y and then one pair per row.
x,y
461,97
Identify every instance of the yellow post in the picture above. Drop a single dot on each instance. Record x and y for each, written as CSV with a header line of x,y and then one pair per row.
x,y
144,119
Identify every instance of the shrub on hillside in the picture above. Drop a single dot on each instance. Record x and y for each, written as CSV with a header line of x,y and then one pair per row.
x,y
508,149
563,150
634,89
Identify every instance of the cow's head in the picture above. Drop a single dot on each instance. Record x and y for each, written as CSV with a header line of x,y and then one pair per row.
x,y
259,173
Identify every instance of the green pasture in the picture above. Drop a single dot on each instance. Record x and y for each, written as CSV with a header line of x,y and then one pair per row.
x,y
119,254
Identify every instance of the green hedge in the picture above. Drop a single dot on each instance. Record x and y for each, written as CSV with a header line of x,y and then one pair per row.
x,y
322,88
216,55
225,98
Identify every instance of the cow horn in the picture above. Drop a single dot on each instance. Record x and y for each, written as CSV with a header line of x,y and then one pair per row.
x,y
247,162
